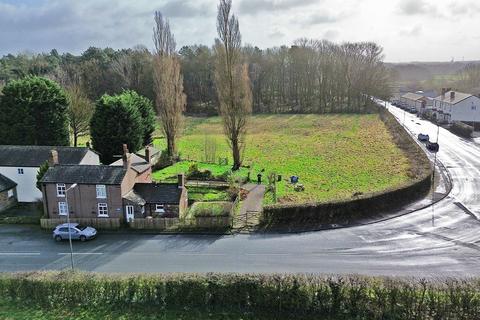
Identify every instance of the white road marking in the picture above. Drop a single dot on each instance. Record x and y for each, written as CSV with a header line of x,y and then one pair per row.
x,y
19,253
81,253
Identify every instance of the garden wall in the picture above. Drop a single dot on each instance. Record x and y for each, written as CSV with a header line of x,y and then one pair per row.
x,y
286,296
153,224
99,223
363,206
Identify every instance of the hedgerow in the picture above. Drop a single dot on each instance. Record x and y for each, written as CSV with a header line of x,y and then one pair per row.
x,y
295,296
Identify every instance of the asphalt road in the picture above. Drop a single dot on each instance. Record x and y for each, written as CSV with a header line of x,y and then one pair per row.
x,y
435,242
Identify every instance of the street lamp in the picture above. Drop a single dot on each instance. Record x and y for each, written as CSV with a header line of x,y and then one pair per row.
x,y
68,222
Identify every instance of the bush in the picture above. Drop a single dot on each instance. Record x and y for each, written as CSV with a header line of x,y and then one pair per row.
x,y
461,129
285,296
196,174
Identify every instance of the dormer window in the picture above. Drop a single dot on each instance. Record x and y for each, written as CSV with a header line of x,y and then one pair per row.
x,y
159,208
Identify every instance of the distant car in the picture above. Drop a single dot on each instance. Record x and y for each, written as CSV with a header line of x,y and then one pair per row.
x,y
412,110
78,231
432,146
423,137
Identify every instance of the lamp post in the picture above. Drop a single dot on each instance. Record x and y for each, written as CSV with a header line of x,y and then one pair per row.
x,y
68,222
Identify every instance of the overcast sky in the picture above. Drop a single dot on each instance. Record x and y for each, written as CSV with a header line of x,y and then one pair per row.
x,y
409,30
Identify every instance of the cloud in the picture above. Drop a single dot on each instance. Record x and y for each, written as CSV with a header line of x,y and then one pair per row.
x,y
412,32
415,7
320,18
186,9
277,34
257,6
331,34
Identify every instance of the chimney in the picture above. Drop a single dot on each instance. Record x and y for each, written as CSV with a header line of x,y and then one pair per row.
x,y
443,93
452,95
147,154
125,157
181,180
53,158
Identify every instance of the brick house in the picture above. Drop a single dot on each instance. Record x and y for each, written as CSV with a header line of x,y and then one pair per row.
x,y
101,191
8,193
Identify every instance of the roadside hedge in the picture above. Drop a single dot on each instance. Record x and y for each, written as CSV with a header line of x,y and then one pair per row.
x,y
288,296
365,205
461,129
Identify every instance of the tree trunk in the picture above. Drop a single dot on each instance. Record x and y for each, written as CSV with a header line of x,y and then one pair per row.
x,y
75,139
236,155
171,147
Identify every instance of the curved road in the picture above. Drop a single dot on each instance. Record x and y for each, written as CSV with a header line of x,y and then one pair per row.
x,y
434,242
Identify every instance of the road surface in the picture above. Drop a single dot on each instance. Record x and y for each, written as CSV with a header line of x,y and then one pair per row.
x,y
435,242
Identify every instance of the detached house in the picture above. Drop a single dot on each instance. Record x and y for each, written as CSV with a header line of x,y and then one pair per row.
x,y
122,190
457,106
21,163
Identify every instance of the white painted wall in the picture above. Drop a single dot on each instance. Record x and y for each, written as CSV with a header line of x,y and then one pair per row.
x,y
466,110
26,183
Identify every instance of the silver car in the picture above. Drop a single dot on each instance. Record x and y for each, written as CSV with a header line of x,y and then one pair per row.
x,y
78,232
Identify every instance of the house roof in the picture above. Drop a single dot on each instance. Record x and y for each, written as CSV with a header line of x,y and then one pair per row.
x,y
84,174
412,96
153,152
138,163
135,198
6,183
35,156
158,192
459,96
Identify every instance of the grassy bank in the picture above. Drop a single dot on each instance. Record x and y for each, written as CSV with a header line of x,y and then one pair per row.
x,y
235,296
335,156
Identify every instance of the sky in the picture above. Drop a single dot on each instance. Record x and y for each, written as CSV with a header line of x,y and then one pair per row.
x,y
408,30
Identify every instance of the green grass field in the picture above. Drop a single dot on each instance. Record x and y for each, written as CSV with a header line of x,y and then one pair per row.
x,y
335,156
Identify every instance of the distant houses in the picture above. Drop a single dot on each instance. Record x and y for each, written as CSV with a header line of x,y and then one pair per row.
x,y
20,164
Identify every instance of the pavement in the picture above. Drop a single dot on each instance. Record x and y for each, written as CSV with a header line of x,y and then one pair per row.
x,y
439,241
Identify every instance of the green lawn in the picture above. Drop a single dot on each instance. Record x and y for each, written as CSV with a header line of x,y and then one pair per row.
x,y
209,209
335,156
207,194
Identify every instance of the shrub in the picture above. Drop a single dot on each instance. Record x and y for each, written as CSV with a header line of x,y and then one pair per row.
x,y
194,173
462,129
285,296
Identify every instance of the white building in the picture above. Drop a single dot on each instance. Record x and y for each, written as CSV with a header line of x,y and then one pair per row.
x,y
415,100
21,163
453,106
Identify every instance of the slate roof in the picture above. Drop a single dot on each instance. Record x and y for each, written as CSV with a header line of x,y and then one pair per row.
x,y
153,152
162,193
412,96
459,96
138,163
84,174
6,184
35,156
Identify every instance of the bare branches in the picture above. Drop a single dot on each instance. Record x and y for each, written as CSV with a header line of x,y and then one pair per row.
x,y
163,39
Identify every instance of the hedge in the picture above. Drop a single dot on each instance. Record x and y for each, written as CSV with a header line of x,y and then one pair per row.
x,y
363,206
288,296
461,129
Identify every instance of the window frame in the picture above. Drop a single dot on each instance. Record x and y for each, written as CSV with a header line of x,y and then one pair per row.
x,y
159,210
59,187
103,188
102,207
10,194
20,171
62,204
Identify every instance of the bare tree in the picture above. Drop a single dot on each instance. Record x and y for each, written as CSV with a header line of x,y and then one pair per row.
x,y
170,100
80,111
232,81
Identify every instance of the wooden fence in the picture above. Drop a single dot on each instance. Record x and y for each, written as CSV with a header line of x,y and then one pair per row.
x,y
99,223
153,224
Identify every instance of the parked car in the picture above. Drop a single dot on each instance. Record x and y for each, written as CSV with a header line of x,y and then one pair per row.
x,y
412,110
432,146
423,137
78,232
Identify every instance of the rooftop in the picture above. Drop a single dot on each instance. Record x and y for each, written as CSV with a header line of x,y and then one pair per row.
x,y
412,96
158,192
138,163
459,96
6,184
84,174
35,156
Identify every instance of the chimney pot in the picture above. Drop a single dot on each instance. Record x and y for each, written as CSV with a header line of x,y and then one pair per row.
x,y
53,158
125,157
147,154
452,95
181,180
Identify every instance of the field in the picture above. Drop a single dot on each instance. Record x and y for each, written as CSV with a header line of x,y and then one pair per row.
x,y
335,156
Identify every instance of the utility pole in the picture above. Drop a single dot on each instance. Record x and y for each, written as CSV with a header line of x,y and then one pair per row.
x,y
69,227
433,179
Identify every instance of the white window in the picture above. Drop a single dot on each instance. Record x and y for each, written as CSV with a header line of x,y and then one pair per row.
x,y
60,189
101,191
159,208
62,208
20,170
474,107
10,193
102,210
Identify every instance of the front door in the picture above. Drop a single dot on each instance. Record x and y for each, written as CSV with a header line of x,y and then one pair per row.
x,y
129,212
